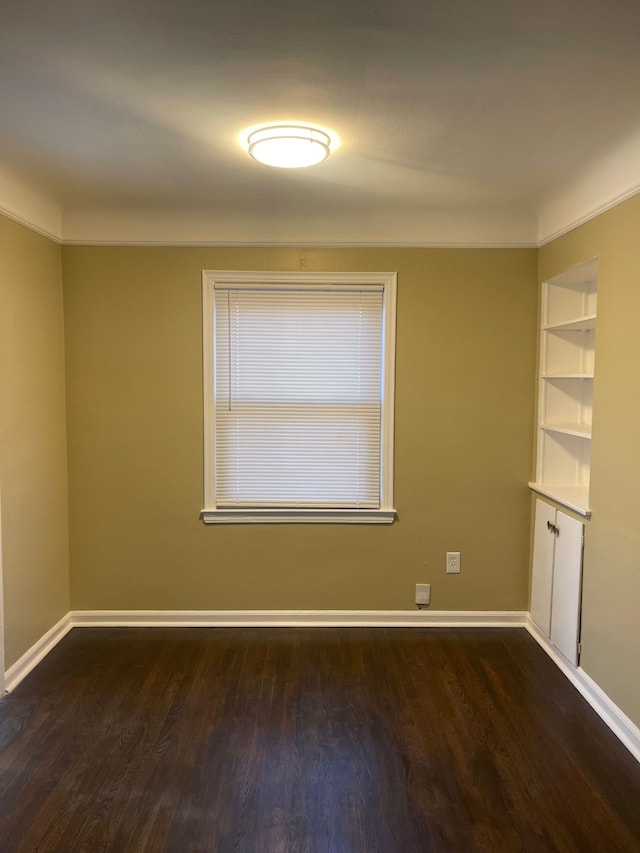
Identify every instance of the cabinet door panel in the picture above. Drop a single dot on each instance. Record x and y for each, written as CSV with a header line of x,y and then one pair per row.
x,y
567,586
542,573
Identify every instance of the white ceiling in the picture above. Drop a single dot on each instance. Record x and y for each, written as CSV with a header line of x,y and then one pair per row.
x,y
497,122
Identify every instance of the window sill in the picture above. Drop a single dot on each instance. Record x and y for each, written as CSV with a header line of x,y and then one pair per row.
x,y
298,516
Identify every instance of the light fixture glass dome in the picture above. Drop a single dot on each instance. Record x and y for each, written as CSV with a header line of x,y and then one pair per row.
x,y
289,146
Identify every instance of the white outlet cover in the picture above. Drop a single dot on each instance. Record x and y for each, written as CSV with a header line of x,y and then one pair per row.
x,y
453,562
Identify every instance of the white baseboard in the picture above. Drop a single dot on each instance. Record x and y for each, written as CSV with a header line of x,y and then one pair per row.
x,y
32,657
299,618
625,729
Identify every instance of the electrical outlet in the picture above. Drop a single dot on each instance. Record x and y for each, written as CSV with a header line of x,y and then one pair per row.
x,y
423,594
453,562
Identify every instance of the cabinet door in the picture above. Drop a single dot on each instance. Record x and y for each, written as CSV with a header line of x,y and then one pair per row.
x,y
567,586
542,572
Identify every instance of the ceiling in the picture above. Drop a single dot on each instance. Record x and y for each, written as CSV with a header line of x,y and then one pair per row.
x,y
459,122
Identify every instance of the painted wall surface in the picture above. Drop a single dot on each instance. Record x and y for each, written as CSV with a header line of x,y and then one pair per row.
x,y
33,459
611,585
464,427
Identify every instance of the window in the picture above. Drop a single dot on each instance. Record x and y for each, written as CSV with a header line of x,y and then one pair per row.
x,y
298,396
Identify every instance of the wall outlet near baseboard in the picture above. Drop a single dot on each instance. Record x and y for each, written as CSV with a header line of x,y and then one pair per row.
x,y
453,562
423,594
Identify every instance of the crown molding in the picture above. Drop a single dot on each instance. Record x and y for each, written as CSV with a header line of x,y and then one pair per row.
x,y
25,204
578,203
379,227
596,211
44,232
608,183
288,244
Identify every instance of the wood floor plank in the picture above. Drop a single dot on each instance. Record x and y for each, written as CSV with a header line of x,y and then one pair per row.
x,y
318,740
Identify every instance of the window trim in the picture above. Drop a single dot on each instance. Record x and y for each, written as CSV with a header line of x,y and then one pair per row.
x,y
386,514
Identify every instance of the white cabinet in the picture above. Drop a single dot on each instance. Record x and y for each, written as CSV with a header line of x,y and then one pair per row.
x,y
567,357
556,583
542,570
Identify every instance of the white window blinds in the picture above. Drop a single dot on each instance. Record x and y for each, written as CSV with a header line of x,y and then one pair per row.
x,y
298,384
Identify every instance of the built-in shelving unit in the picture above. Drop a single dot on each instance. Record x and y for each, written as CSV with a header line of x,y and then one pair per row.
x,y
565,401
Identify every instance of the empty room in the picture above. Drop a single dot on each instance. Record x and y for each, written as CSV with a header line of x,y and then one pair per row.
x,y
319,418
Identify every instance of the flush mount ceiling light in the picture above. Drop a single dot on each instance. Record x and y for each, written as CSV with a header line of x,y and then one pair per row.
x,y
289,146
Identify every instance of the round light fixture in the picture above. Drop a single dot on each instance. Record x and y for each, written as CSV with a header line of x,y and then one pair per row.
x,y
289,146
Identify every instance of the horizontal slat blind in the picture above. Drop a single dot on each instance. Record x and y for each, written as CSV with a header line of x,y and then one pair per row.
x,y
298,378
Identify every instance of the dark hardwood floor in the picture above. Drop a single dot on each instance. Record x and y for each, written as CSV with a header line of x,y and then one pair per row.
x,y
318,740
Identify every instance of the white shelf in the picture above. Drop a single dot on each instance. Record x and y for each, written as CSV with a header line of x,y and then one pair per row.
x,y
572,497
582,275
565,403
580,324
581,430
566,376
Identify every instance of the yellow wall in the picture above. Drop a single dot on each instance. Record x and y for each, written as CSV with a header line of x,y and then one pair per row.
x,y
465,385
464,409
33,464
611,584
